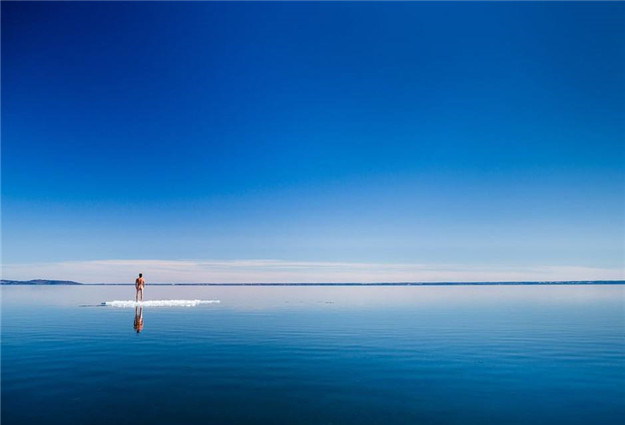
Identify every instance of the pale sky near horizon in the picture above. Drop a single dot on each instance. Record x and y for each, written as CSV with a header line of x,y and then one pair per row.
x,y
328,142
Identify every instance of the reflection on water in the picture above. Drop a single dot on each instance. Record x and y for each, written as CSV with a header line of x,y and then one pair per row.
x,y
138,323
314,355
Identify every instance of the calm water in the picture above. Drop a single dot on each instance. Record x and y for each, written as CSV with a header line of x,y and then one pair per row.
x,y
316,355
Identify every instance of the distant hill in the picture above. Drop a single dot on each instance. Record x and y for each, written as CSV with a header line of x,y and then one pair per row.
x,y
38,282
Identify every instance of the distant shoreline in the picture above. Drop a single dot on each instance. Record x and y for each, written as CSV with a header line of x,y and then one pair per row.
x,y
42,282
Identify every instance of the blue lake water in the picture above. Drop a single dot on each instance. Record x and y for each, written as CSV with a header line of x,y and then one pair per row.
x,y
316,355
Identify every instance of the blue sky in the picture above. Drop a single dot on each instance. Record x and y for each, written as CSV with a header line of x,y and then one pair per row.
x,y
181,138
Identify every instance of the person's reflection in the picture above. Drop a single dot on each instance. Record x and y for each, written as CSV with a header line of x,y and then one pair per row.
x,y
138,319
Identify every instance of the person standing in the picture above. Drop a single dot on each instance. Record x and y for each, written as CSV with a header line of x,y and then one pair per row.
x,y
139,285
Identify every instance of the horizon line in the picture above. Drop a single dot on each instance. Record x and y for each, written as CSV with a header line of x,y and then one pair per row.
x,y
398,283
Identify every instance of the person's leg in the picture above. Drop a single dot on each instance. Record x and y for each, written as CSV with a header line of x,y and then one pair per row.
x,y
137,295
141,294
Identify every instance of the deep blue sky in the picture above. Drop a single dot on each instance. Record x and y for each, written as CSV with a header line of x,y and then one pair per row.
x,y
451,133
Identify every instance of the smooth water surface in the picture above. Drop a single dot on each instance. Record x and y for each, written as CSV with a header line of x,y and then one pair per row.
x,y
315,355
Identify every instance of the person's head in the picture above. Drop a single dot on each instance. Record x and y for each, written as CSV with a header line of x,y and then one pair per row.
x,y
140,274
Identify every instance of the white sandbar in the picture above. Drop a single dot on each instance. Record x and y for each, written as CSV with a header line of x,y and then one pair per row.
x,y
158,303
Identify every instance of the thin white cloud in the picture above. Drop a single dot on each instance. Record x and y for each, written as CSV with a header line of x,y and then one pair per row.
x,y
278,271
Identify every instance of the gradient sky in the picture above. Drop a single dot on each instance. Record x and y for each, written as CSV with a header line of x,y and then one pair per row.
x,y
476,136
